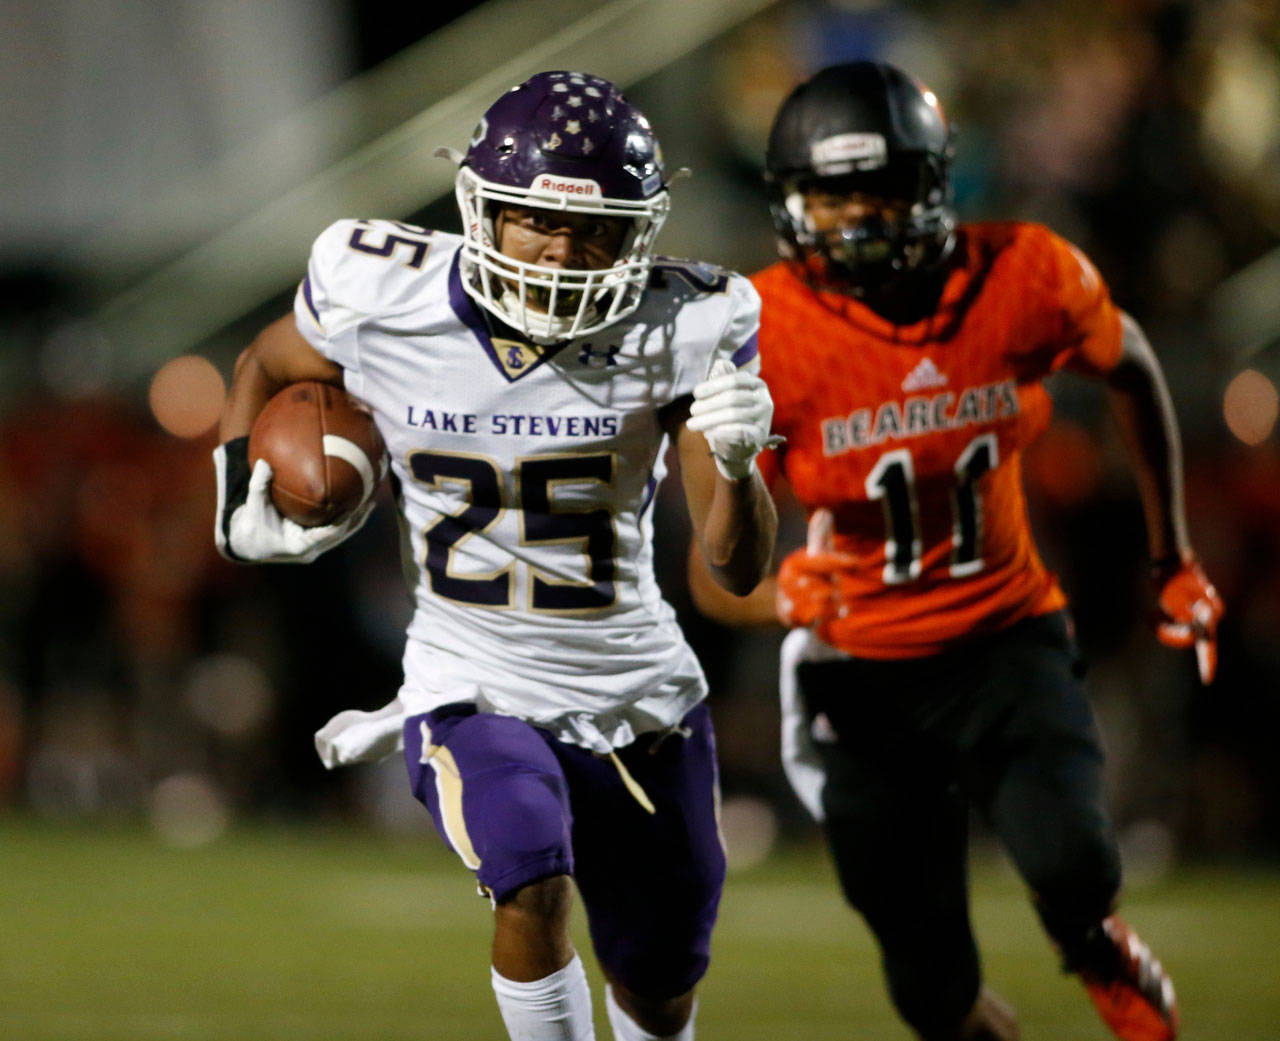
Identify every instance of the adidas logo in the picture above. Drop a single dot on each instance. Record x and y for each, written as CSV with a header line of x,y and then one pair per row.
x,y
924,376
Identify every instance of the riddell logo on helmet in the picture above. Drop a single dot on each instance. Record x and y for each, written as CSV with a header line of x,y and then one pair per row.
x,y
549,185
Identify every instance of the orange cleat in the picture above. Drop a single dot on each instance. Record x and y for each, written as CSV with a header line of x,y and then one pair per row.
x,y
1133,995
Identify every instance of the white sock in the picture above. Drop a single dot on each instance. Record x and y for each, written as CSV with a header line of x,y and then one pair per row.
x,y
627,1029
554,1008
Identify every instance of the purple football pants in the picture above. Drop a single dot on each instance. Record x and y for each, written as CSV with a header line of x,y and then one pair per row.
x,y
518,805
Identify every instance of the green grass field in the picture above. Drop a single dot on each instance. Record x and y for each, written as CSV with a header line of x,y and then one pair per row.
x,y
295,933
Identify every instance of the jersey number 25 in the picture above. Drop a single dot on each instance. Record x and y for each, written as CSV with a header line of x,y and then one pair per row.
x,y
536,479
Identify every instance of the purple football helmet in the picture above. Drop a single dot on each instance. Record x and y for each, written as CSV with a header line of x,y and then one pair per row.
x,y
562,141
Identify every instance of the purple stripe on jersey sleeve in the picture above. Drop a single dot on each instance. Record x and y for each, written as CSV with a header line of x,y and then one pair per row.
x,y
747,351
649,489
311,304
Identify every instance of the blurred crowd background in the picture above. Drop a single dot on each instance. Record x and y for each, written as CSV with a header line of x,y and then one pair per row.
x,y
143,677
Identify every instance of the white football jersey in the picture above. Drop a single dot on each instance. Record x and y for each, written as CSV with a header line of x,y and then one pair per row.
x,y
525,477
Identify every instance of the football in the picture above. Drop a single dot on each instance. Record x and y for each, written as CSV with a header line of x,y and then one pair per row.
x,y
325,452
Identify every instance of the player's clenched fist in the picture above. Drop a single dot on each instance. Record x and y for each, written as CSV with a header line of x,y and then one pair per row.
x,y
808,590
1190,608
249,529
733,410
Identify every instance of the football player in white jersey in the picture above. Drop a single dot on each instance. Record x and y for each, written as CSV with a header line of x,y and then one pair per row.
x,y
527,377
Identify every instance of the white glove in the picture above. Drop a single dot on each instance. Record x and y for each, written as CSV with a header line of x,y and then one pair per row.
x,y
249,529
733,410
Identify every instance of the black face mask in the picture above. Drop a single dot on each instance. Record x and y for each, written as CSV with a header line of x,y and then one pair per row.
x,y
871,245
864,257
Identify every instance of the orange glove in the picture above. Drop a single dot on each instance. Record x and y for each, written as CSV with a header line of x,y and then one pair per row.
x,y
1190,608
807,592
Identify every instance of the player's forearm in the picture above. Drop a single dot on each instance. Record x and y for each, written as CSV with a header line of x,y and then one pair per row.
x,y
711,599
279,355
738,537
1148,425
251,389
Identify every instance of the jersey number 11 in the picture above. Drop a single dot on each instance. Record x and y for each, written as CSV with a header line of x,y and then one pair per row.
x,y
893,481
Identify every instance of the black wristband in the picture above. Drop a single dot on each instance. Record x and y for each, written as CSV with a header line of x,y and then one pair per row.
x,y
236,475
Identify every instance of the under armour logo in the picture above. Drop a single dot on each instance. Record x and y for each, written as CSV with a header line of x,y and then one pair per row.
x,y
598,359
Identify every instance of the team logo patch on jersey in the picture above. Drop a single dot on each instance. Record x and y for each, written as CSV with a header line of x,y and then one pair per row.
x,y
925,376
517,357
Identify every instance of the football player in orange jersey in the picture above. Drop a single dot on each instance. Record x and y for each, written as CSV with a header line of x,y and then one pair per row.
x,y
933,665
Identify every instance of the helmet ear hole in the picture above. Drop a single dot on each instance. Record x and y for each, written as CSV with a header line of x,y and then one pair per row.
x,y
795,207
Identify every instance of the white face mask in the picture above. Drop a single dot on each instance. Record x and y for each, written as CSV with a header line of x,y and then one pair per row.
x,y
546,304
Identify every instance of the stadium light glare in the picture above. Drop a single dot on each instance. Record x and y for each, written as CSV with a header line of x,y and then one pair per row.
x,y
1250,406
186,395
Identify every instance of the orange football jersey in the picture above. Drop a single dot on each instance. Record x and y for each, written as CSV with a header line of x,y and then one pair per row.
x,y
912,435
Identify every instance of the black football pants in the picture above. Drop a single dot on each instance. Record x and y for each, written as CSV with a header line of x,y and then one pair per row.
x,y
1002,724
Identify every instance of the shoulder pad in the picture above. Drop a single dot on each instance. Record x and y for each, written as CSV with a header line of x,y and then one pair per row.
x,y
691,275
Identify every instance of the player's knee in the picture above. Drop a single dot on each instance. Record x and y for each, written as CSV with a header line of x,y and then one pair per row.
x,y
659,973
1081,871
1075,891
662,1017
528,814
863,884
544,903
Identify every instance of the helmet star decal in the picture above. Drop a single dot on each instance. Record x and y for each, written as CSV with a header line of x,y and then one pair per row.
x,y
579,111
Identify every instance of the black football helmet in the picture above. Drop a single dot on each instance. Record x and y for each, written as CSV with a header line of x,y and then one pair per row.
x,y
863,127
